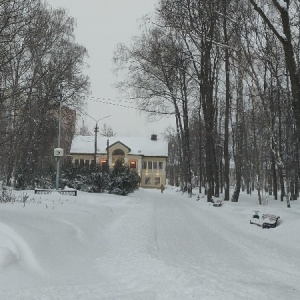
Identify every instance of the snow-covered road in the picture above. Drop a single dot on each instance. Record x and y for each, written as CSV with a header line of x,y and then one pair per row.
x,y
146,246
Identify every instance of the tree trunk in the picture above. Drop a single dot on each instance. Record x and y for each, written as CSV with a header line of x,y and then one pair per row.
x,y
227,108
290,61
274,176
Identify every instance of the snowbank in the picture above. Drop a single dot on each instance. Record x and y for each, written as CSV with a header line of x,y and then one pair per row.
x,y
146,246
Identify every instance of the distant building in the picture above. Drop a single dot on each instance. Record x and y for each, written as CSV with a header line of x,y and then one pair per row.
x,y
147,156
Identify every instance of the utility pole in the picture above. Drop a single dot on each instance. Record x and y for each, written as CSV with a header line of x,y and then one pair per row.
x,y
59,137
107,146
96,130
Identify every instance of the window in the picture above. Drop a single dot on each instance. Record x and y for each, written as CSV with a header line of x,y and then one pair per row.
x,y
155,165
147,180
132,164
118,152
157,180
76,162
82,162
87,163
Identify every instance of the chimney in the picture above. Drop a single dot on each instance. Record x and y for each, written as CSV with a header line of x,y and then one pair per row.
x,y
153,137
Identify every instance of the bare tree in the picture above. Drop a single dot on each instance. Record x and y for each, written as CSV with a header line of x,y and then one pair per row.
x,y
159,79
107,131
286,35
38,59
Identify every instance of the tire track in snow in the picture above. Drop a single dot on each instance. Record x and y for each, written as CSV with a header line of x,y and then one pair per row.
x,y
75,230
133,250
17,250
155,250
212,245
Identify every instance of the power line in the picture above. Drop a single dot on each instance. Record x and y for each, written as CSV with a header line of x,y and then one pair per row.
x,y
109,102
96,99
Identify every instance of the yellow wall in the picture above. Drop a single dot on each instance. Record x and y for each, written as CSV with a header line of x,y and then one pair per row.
x,y
153,178
150,178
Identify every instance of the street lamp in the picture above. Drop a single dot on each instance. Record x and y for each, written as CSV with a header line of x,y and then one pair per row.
x,y
96,130
58,152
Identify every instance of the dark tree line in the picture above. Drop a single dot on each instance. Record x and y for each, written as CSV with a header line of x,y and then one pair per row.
x,y
228,70
38,55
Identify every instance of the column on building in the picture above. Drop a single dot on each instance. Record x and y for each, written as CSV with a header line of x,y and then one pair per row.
x,y
139,166
109,160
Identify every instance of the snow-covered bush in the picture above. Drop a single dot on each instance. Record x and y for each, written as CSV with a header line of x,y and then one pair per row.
x,y
99,181
7,196
87,179
44,177
20,177
75,177
120,180
44,182
123,180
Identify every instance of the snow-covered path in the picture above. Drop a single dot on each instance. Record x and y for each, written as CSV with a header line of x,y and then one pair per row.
x,y
146,246
221,257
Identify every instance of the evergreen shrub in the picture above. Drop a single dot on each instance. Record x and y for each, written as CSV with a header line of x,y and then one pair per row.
x,y
123,180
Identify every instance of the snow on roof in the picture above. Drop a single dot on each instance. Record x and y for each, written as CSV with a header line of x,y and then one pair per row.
x,y
138,145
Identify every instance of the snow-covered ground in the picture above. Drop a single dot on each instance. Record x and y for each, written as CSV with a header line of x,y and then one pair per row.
x,y
146,246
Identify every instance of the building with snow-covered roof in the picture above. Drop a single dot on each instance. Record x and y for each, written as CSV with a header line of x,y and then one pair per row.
x,y
147,156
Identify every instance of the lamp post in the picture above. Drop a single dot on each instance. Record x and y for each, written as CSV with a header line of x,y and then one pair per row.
x,y
107,146
96,130
58,153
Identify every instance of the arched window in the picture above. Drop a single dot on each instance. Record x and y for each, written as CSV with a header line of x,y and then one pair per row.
x,y
118,152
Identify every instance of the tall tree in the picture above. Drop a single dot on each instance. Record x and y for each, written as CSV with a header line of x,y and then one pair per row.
x,y
287,36
159,78
36,61
197,24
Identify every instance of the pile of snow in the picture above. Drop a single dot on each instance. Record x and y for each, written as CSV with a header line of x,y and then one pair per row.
x,y
148,245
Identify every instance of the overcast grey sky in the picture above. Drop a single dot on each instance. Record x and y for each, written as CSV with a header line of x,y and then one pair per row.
x,y
101,25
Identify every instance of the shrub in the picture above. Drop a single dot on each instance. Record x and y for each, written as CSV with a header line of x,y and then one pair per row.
x,y
74,176
123,180
99,181
7,196
120,180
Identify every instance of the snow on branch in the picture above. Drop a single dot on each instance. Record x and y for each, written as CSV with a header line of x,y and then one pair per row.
x,y
281,36
282,3
222,45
